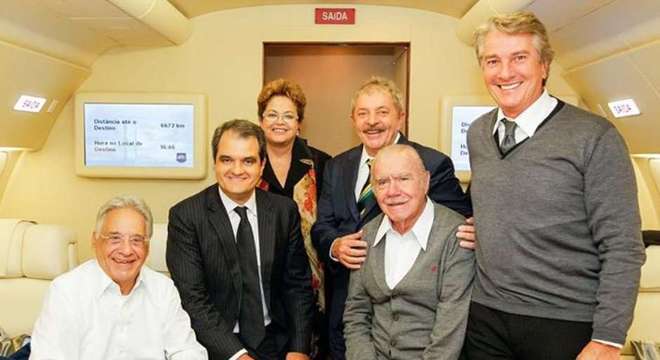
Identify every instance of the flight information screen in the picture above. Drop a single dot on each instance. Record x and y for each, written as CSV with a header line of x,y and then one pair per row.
x,y
139,135
461,119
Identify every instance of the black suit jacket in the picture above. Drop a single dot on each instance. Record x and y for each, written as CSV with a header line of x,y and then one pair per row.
x,y
338,214
202,259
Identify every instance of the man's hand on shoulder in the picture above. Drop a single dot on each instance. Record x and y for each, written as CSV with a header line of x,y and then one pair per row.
x,y
296,356
350,250
467,235
599,351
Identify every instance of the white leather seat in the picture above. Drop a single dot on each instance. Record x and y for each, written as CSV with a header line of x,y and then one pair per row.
x,y
31,255
157,246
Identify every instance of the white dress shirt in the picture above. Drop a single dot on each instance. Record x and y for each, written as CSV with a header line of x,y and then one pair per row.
x,y
235,219
401,250
529,120
85,316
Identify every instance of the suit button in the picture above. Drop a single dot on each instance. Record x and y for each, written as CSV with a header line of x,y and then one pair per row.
x,y
395,317
393,342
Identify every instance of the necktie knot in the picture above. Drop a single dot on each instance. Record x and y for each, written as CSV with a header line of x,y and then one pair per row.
x,y
509,127
241,211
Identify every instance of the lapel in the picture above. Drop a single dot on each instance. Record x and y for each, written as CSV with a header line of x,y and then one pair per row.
x,y
220,221
350,172
267,238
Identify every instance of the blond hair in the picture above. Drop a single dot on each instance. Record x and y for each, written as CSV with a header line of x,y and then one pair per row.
x,y
521,22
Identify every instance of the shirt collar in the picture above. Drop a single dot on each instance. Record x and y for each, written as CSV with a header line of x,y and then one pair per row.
x,y
230,204
420,231
364,157
530,119
104,282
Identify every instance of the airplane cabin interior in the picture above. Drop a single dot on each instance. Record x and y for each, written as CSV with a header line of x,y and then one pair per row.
x,y
65,62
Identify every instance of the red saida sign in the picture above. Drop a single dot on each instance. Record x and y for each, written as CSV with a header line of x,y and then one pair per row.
x,y
343,16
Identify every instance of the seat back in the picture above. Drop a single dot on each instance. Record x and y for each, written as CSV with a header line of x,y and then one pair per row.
x,y
31,255
157,247
647,175
647,311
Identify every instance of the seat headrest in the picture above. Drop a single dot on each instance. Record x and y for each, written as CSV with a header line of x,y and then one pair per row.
x,y
157,247
46,251
12,232
650,280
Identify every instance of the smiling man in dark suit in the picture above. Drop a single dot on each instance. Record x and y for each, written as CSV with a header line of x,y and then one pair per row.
x,y
347,202
236,255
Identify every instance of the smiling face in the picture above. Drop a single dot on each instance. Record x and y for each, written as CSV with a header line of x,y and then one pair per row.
x,y
280,121
122,247
238,166
513,71
376,120
400,184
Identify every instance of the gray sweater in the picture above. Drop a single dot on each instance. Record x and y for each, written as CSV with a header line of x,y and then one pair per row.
x,y
558,222
425,315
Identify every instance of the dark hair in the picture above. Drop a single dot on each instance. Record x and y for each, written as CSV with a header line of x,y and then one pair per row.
x,y
286,88
244,129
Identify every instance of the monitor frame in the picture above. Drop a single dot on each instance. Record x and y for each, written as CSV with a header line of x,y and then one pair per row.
x,y
197,171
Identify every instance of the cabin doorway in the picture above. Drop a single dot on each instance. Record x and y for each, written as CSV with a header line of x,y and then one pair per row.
x,y
329,74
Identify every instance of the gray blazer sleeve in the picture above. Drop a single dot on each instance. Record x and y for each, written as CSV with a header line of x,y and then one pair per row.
x,y
357,320
455,288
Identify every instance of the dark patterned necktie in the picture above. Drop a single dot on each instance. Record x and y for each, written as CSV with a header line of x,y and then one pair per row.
x,y
367,197
251,316
509,140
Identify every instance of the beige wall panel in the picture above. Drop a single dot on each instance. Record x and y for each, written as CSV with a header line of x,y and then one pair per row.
x,y
617,78
223,59
647,59
596,35
7,162
28,72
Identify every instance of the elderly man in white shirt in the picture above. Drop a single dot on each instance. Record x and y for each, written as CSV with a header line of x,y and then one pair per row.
x,y
410,299
113,307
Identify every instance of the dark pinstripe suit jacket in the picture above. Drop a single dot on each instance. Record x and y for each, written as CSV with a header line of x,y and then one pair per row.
x,y
203,261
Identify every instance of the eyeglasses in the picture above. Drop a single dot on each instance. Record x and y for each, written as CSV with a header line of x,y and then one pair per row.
x,y
115,239
273,116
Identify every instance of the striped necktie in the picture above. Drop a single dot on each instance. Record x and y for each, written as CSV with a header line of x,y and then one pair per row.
x,y
366,194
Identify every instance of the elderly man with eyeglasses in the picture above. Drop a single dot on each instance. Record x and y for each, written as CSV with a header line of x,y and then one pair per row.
x,y
112,307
